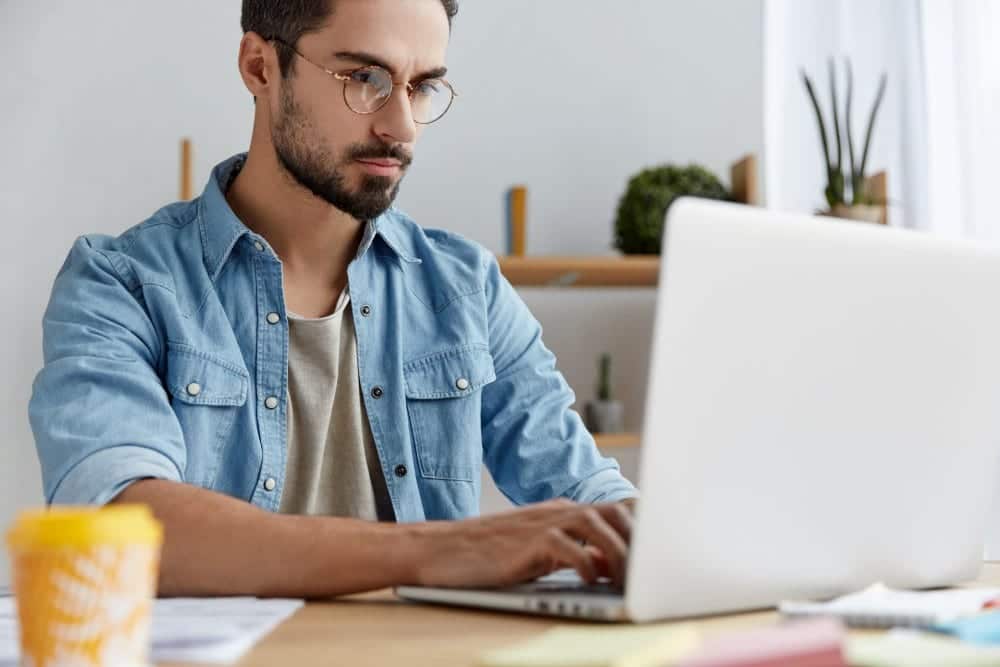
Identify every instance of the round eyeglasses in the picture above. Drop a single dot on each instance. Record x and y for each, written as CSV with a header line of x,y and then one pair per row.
x,y
368,89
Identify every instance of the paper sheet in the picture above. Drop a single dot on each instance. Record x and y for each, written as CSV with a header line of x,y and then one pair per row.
x,y
205,630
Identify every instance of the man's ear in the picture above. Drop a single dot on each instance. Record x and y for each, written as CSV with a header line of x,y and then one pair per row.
x,y
258,64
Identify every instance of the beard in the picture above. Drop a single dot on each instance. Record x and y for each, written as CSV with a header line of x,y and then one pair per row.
x,y
313,166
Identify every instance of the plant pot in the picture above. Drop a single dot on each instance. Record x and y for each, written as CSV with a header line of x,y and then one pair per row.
x,y
857,212
605,416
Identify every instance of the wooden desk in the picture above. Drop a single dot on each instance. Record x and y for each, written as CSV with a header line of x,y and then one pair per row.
x,y
379,629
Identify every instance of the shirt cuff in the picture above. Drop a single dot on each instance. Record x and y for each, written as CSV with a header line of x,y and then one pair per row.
x,y
605,486
100,477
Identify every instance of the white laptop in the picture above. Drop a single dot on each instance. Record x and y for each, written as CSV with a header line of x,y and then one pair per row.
x,y
823,412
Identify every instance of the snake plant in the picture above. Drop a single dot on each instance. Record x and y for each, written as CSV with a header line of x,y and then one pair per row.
x,y
835,180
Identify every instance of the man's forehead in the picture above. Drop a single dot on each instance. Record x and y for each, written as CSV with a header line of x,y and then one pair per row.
x,y
404,35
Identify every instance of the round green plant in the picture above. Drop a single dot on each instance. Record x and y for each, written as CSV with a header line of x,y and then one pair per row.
x,y
643,207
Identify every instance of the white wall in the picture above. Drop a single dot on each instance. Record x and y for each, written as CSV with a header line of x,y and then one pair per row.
x,y
569,97
572,97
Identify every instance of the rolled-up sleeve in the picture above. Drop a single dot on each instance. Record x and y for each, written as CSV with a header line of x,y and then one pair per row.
x,y
99,412
535,445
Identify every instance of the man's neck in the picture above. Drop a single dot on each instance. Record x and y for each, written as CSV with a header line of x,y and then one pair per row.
x,y
314,240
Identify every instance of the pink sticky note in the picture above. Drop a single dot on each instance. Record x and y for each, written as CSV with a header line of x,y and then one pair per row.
x,y
812,643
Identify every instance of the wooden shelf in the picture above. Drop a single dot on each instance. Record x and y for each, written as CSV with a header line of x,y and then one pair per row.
x,y
612,440
554,271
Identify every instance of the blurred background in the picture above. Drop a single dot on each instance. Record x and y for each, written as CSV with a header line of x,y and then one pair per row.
x,y
567,98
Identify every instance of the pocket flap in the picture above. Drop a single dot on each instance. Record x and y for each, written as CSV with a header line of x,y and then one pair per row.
x,y
450,374
201,378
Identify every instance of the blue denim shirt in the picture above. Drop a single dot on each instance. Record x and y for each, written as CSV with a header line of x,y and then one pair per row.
x,y
166,356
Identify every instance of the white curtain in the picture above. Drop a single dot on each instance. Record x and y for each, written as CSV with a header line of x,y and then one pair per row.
x,y
962,62
938,130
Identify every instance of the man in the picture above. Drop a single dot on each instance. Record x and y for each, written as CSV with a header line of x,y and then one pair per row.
x,y
300,381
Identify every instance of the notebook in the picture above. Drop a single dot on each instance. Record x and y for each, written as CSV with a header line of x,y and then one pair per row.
x,y
880,607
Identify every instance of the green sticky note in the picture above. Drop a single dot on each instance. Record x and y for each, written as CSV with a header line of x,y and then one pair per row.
x,y
917,649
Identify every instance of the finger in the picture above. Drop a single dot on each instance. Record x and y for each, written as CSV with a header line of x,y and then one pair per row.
x,y
565,550
620,518
619,514
600,562
590,525
603,567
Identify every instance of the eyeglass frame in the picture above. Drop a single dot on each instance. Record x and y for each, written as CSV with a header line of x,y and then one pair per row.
x,y
344,77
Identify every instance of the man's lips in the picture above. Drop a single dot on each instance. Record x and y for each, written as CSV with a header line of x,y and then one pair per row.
x,y
382,167
383,163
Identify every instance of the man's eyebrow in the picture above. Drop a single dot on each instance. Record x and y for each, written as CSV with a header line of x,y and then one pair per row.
x,y
369,59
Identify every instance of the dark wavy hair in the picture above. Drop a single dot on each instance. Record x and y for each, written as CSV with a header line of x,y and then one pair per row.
x,y
288,20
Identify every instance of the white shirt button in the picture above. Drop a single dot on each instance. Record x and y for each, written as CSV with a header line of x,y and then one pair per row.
x,y
258,245
271,402
269,484
273,318
193,389
462,384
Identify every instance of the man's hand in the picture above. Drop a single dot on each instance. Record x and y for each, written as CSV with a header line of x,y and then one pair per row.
x,y
527,543
218,545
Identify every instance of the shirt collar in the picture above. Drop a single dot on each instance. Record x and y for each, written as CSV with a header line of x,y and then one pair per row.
x,y
221,229
219,226
391,229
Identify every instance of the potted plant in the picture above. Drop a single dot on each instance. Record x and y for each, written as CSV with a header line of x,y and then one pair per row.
x,y
605,415
643,207
846,197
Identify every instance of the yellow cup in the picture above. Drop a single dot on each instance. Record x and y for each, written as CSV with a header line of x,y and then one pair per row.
x,y
84,580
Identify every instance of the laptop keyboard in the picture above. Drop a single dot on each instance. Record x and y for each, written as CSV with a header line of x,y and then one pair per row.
x,y
567,581
598,588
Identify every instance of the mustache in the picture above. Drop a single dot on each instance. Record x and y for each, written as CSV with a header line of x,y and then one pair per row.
x,y
380,152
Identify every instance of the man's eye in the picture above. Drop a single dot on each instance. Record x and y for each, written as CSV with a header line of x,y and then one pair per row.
x,y
428,88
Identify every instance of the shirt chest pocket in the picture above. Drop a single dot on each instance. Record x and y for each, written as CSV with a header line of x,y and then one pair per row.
x,y
444,400
207,392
